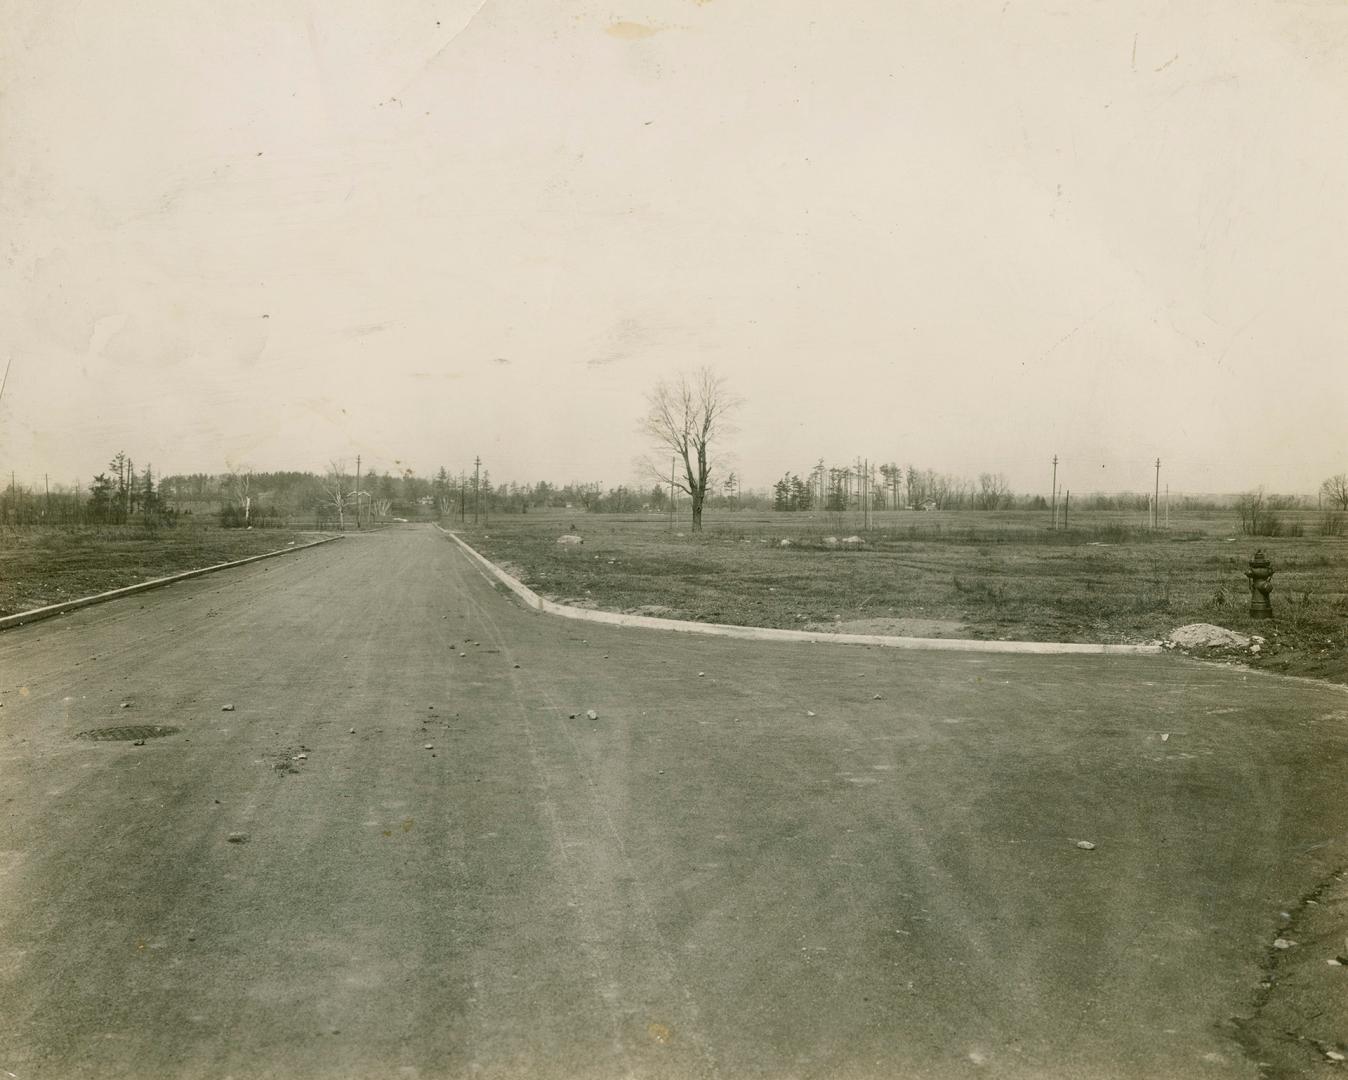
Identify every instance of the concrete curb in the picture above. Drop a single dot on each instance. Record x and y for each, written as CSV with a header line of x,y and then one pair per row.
x,y
37,614
759,633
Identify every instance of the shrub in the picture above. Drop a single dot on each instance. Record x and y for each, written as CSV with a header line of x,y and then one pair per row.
x,y
1257,515
233,517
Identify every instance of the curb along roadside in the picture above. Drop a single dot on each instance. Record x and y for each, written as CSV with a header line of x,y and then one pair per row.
x,y
22,618
759,633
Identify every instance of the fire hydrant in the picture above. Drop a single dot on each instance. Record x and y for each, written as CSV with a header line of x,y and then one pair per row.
x,y
1260,574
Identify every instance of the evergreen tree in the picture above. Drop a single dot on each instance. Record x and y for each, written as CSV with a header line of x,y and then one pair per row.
x,y
149,501
101,495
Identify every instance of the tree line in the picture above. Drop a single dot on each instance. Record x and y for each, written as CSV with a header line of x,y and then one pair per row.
x,y
888,486
685,423
119,495
124,493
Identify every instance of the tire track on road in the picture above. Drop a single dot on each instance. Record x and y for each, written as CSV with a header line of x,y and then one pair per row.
x,y
600,865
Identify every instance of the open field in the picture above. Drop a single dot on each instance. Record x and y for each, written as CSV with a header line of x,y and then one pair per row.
x,y
40,566
957,574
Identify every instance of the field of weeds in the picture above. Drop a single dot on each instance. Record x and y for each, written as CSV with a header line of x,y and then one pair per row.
x,y
43,565
1106,579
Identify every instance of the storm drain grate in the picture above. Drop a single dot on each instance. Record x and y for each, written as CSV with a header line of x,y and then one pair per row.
x,y
129,733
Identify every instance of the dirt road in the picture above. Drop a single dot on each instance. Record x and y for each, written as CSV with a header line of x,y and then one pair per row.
x,y
408,851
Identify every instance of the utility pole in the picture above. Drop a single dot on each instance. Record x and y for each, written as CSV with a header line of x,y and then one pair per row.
x,y
357,491
1055,491
477,486
1156,498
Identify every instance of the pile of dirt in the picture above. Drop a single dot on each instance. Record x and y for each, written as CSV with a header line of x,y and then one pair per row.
x,y
1208,636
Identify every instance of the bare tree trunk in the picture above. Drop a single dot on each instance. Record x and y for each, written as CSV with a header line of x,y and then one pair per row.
x,y
687,418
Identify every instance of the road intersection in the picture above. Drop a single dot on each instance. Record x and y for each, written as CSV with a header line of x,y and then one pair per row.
x,y
408,850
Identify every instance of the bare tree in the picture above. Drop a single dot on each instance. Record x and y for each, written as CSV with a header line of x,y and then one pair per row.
x,y
993,492
1258,513
334,490
240,481
1335,491
686,418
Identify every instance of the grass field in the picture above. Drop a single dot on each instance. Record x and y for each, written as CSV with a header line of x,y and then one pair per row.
x,y
956,574
40,566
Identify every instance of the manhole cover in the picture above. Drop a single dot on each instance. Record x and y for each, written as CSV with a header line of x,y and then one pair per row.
x,y
129,733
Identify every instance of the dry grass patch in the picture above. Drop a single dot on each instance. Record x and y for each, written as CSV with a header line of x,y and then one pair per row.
x,y
41,566
1106,580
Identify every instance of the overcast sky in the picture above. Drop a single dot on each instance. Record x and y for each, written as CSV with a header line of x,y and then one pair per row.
x,y
963,235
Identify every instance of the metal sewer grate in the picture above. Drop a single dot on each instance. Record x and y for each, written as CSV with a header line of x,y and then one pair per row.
x,y
128,733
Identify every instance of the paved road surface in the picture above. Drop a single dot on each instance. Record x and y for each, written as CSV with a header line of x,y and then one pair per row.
x,y
705,881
